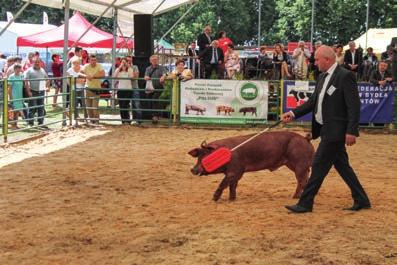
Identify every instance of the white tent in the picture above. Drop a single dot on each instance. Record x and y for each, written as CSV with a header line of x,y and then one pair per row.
x,y
125,8
378,39
9,38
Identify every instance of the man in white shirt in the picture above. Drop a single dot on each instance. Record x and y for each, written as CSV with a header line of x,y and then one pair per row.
x,y
336,113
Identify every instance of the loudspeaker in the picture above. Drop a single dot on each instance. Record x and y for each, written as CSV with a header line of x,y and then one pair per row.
x,y
143,32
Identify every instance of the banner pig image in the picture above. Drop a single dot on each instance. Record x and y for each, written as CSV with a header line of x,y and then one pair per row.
x,y
268,151
198,109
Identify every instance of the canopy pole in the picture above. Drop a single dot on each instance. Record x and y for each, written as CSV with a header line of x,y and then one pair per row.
x,y
16,16
154,11
312,24
65,59
176,23
367,26
259,23
93,24
115,14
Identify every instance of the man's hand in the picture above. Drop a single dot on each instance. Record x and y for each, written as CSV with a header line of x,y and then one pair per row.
x,y
287,117
350,139
382,83
146,78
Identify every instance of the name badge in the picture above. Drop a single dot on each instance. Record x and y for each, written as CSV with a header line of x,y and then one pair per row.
x,y
331,90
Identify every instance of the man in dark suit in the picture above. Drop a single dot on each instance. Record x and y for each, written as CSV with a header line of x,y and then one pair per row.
x,y
194,61
213,59
381,76
204,40
353,58
336,113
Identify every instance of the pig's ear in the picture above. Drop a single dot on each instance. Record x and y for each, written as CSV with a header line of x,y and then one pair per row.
x,y
194,152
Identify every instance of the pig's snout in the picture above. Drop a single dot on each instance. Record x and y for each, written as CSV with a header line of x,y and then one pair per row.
x,y
197,170
194,171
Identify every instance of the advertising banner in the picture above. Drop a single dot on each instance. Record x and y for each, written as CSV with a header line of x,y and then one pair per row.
x,y
224,101
377,103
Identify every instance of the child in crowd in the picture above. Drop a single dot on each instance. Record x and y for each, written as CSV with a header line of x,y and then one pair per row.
x,y
15,92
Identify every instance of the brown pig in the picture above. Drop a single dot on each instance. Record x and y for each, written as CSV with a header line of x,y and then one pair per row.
x,y
269,150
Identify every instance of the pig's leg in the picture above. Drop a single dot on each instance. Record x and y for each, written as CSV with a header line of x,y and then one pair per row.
x,y
224,183
302,175
233,186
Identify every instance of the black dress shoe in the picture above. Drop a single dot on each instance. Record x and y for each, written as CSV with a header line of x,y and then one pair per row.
x,y
298,209
358,207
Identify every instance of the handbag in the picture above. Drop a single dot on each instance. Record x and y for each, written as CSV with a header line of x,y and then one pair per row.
x,y
149,88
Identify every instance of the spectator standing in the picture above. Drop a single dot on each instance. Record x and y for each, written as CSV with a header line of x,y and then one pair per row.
x,y
194,61
126,92
232,64
313,67
93,71
29,61
370,61
154,76
3,61
56,66
381,76
204,41
280,59
15,92
213,59
224,41
75,71
339,54
84,57
300,55
353,58
36,89
9,70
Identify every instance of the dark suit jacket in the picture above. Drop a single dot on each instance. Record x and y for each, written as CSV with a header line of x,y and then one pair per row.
x,y
202,41
340,110
207,55
358,59
376,77
190,52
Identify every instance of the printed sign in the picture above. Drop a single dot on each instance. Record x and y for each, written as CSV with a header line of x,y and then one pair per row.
x,y
377,102
224,101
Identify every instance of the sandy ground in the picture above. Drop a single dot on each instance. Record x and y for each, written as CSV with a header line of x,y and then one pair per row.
x,y
125,195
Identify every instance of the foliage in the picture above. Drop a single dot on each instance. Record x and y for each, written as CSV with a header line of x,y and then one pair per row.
x,y
281,20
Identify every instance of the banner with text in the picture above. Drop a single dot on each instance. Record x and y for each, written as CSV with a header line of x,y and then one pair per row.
x,y
377,103
224,101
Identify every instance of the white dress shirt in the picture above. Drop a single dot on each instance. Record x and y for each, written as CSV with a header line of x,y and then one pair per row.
x,y
319,115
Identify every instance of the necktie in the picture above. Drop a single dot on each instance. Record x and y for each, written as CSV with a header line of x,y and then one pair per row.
x,y
318,114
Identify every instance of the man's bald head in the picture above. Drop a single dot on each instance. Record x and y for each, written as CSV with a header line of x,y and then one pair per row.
x,y
325,57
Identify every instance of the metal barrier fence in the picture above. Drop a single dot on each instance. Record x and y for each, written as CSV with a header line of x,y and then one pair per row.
x,y
153,105
18,101
163,103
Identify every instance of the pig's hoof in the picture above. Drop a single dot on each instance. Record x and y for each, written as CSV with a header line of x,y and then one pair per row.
x,y
216,197
232,198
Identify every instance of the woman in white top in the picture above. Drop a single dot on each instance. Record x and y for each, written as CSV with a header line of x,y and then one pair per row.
x,y
232,64
125,92
75,71
340,57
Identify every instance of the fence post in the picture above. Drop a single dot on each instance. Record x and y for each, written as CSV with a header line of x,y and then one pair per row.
x,y
5,110
71,99
281,96
174,99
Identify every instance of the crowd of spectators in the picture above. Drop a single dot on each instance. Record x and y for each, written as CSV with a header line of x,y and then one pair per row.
x,y
217,58
208,57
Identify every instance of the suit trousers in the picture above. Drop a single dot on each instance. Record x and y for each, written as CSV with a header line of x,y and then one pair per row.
x,y
330,154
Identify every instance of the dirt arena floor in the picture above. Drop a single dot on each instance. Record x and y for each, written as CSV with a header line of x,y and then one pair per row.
x,y
125,195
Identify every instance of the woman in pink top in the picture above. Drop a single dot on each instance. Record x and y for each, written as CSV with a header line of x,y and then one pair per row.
x,y
223,41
